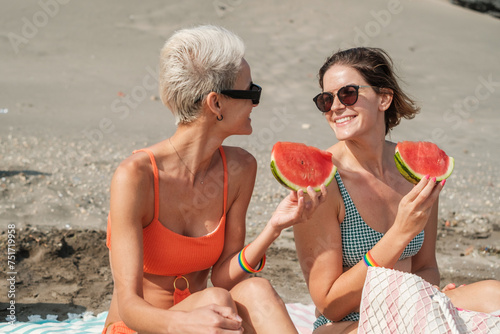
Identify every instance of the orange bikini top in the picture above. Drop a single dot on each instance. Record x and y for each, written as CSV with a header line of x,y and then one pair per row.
x,y
168,253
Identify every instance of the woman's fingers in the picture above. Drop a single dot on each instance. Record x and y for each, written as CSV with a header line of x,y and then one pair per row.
x,y
316,198
214,319
425,192
322,195
297,207
301,204
417,189
415,207
449,286
294,195
430,193
226,312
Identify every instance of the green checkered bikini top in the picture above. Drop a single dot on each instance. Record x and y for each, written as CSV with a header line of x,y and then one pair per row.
x,y
358,238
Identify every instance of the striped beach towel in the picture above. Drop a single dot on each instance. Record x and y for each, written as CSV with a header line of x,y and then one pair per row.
x,y
302,316
397,302
85,323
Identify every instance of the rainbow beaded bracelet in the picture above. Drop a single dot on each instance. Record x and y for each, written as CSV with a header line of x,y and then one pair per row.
x,y
369,261
246,267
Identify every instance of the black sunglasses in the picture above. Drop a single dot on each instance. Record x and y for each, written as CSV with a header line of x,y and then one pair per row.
x,y
348,95
252,94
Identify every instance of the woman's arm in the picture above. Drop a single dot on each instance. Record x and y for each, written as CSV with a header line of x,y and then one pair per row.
x,y
242,170
292,210
130,200
131,208
424,263
319,247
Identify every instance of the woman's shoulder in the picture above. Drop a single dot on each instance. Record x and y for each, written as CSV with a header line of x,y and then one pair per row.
x,y
238,156
337,151
135,169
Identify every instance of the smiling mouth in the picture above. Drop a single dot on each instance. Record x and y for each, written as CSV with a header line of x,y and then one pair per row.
x,y
344,119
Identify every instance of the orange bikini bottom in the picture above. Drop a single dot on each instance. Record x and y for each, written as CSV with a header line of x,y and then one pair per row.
x,y
179,295
118,328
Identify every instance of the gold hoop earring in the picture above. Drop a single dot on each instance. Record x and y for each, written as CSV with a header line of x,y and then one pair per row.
x,y
221,118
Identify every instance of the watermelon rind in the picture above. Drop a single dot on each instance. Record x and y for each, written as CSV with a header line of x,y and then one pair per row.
x,y
292,186
289,185
414,177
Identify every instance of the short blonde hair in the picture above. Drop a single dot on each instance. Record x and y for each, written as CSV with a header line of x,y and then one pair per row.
x,y
195,62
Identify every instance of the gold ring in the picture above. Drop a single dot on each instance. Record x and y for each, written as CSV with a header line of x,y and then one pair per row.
x,y
187,282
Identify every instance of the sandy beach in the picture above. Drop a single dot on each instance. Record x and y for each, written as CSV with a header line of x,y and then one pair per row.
x,y
78,93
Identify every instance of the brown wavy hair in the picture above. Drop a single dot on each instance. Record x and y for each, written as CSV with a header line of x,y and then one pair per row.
x,y
377,69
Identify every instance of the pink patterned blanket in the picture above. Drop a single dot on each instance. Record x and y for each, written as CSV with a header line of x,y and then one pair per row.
x,y
397,302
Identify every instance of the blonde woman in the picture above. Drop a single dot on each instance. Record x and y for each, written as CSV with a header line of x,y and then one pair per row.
x,y
178,207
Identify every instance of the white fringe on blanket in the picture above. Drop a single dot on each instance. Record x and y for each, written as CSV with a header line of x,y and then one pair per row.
x,y
397,302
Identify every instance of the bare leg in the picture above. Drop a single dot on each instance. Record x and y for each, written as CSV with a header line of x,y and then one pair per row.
x,y
261,308
483,296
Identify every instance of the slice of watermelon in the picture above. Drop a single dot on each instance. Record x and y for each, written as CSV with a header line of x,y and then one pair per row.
x,y
296,166
415,160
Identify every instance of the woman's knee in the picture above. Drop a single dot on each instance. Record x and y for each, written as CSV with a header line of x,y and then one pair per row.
x,y
217,296
483,296
493,286
487,288
256,290
258,287
258,302
492,291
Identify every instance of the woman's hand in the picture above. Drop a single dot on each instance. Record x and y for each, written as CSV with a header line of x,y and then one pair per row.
x,y
415,208
297,207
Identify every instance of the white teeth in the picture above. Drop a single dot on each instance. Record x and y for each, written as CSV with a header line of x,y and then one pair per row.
x,y
344,119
